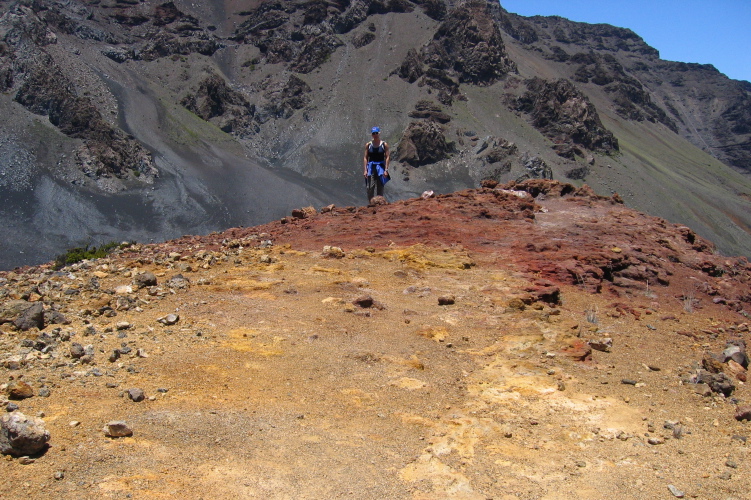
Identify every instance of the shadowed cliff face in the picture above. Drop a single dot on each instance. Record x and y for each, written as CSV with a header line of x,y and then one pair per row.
x,y
147,120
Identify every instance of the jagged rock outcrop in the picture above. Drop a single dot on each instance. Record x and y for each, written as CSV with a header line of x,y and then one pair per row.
x,y
566,116
466,48
41,87
423,143
107,151
632,101
168,44
217,102
284,97
535,168
430,111
292,32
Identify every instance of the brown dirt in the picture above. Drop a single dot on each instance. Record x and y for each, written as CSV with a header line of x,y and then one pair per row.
x,y
280,387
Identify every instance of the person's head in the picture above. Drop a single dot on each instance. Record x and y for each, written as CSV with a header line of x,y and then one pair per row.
x,y
375,132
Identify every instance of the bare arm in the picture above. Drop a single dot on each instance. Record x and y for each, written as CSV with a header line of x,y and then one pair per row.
x,y
365,162
388,155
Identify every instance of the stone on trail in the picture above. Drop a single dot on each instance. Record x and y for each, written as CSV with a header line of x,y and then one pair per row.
x,y
19,389
363,301
676,492
602,345
32,317
144,280
76,350
136,395
21,435
446,300
743,413
169,320
116,429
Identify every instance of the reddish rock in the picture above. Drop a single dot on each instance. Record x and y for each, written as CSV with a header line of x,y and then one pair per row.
x,y
743,413
19,389
735,370
578,350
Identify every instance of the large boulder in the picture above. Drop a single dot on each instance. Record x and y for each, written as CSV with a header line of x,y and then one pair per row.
x,y
30,315
423,143
21,435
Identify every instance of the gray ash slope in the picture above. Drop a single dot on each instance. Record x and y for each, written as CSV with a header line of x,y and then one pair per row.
x,y
145,120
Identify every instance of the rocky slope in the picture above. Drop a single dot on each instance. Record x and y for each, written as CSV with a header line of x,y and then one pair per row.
x,y
531,340
143,120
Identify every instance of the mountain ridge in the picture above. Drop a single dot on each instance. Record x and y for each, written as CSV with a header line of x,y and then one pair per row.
x,y
216,105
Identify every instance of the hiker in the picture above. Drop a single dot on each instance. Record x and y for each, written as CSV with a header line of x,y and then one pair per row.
x,y
375,164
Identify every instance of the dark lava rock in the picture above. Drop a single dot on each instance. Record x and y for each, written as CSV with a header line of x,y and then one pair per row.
x,y
31,317
364,301
718,382
77,351
144,280
423,143
217,102
565,115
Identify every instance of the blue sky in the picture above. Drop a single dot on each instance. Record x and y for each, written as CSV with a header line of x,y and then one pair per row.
x,y
716,32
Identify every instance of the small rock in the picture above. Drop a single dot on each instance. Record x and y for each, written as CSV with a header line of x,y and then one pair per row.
x,y
32,316
117,428
628,381
737,353
578,350
743,413
144,280
18,389
703,390
655,441
736,370
169,319
676,492
76,350
136,395
363,301
332,252
11,407
602,345
59,475
446,300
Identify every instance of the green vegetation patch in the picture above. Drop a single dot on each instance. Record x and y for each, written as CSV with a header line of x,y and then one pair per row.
x,y
85,253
